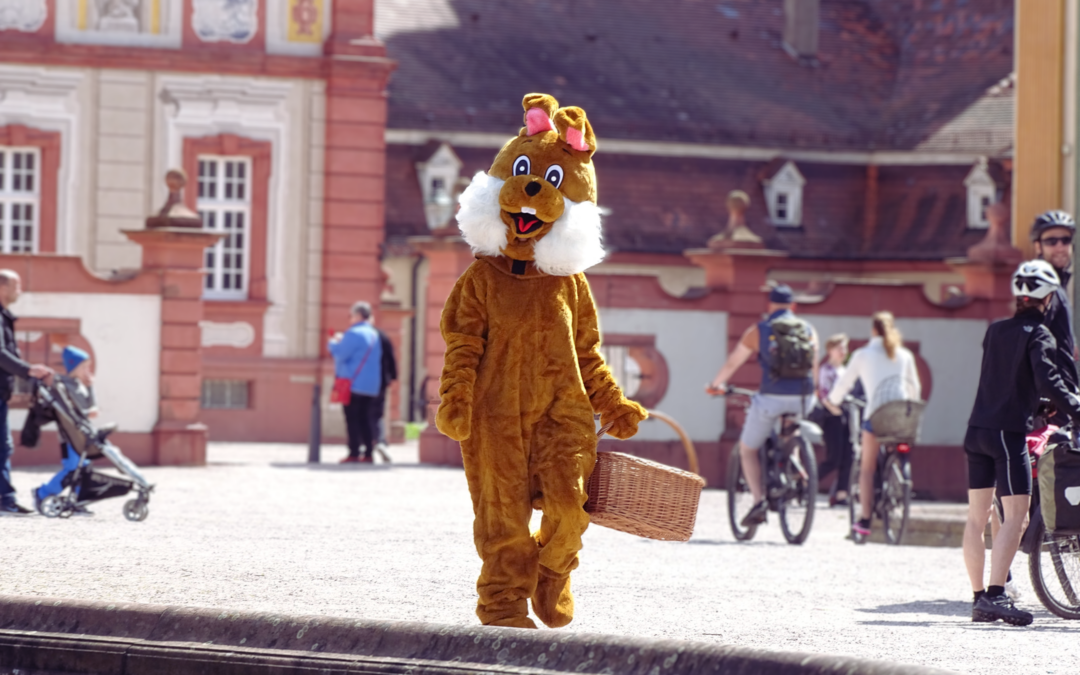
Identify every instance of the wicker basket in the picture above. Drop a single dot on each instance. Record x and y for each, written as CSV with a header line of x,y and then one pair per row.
x,y
634,495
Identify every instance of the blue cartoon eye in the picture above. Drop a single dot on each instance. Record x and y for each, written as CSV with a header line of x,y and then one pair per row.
x,y
554,175
522,166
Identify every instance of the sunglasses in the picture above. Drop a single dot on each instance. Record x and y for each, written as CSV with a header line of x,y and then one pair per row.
x,y
1054,241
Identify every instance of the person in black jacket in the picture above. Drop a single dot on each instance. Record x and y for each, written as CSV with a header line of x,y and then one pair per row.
x,y
1052,236
1019,365
11,366
389,374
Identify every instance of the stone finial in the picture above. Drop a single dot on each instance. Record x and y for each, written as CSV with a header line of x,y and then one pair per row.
x,y
174,213
736,234
996,247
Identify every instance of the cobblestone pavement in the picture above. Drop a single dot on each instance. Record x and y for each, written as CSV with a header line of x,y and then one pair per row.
x,y
258,529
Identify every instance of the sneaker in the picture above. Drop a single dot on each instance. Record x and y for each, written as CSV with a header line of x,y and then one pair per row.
x,y
757,515
977,617
14,509
380,448
350,460
366,460
989,609
1012,590
860,531
81,510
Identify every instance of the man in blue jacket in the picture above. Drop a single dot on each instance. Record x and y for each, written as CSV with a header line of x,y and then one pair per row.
x,y
358,356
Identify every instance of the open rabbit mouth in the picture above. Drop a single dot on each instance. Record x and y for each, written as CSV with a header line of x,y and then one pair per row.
x,y
525,223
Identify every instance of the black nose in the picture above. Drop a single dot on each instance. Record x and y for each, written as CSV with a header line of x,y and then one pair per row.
x,y
532,188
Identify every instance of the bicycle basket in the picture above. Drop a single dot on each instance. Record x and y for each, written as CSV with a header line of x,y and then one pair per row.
x,y
897,421
649,499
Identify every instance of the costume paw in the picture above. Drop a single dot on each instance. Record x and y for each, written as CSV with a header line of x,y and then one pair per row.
x,y
553,603
625,419
454,419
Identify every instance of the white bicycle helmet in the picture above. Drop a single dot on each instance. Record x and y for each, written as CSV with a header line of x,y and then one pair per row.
x,y
1034,279
1051,219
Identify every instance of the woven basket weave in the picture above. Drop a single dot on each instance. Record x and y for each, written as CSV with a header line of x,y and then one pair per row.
x,y
649,499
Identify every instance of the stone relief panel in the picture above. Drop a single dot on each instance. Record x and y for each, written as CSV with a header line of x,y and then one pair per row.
x,y
225,20
136,23
118,15
22,15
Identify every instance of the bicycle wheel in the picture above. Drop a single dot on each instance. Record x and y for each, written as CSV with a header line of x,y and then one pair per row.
x,y
896,497
739,498
800,494
1054,566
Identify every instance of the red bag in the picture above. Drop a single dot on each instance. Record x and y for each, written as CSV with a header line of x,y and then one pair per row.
x,y
342,391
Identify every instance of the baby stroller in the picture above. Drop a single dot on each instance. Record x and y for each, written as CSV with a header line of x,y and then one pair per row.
x,y
83,485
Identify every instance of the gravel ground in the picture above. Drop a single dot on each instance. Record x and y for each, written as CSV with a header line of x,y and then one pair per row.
x,y
258,529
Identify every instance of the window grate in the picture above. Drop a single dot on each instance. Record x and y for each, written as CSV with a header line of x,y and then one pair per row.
x,y
231,394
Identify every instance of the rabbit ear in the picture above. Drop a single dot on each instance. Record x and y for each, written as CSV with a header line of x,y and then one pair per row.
x,y
537,122
538,111
574,128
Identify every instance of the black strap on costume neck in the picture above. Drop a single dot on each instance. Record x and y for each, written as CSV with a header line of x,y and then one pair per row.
x,y
518,267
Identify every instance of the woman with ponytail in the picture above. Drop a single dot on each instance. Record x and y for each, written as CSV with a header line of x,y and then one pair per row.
x,y
888,373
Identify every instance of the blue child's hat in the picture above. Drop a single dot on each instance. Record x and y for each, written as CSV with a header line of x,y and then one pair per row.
x,y
782,295
73,356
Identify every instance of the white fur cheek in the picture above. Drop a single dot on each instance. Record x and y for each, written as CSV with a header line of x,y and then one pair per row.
x,y
478,218
574,243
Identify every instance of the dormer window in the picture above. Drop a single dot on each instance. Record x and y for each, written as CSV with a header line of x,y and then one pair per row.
x,y
981,193
783,196
437,177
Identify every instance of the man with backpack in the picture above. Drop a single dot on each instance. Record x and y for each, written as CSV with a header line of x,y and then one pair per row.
x,y
787,349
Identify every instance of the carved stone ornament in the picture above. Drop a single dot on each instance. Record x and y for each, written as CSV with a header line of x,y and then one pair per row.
x,y
23,15
225,20
118,15
174,213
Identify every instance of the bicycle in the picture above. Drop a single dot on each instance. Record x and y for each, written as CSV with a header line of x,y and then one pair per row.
x,y
1053,558
789,470
899,421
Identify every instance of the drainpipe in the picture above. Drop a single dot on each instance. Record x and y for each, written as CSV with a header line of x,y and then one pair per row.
x,y
413,358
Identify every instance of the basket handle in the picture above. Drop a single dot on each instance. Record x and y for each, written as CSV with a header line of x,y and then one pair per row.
x,y
688,445
604,429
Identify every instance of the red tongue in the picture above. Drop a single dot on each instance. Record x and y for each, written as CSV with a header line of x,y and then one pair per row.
x,y
521,224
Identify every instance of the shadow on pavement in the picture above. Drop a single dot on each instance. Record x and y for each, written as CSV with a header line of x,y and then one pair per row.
x,y
932,607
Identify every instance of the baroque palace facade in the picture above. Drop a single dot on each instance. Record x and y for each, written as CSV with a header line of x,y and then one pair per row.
x,y
325,141
275,109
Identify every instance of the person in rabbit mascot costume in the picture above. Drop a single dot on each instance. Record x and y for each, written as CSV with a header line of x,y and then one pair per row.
x,y
523,373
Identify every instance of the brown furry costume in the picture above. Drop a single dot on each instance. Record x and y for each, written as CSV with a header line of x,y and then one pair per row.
x,y
523,372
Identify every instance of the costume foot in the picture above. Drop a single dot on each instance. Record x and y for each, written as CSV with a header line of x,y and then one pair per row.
x,y
553,603
514,622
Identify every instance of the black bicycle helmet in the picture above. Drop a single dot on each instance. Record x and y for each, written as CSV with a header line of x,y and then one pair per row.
x,y
1051,219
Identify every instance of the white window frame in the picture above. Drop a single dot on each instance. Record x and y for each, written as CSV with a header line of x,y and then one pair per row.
x,y
784,196
214,210
981,193
10,199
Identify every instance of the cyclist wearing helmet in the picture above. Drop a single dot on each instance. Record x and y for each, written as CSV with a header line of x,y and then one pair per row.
x,y
1018,366
1052,234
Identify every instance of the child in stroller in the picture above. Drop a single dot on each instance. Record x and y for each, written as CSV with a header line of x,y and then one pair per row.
x,y
80,386
67,402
